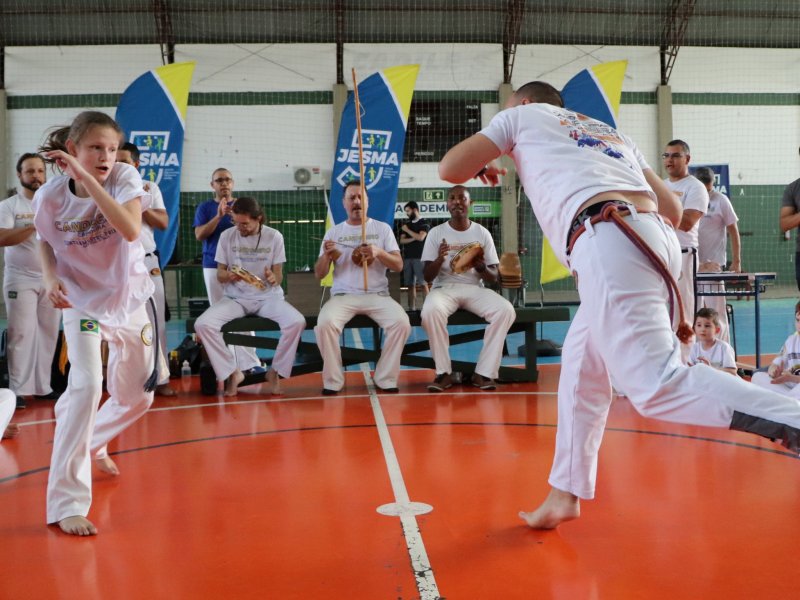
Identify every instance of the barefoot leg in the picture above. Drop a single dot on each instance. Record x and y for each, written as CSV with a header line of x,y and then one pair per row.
x,y
274,381
232,383
557,508
106,465
77,525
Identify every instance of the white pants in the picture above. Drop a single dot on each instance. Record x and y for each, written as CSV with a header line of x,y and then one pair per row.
x,y
718,303
246,357
82,430
444,301
686,288
209,328
762,379
622,329
159,298
8,404
32,336
335,314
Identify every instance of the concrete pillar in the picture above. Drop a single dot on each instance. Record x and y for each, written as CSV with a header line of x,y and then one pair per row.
x,y
664,120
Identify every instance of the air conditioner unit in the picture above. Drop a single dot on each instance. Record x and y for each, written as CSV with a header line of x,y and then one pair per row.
x,y
308,177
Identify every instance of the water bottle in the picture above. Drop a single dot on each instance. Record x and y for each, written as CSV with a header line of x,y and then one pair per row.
x,y
186,370
174,365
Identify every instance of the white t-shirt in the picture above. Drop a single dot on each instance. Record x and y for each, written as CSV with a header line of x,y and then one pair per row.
x,y
457,240
349,278
712,235
692,194
23,265
789,358
103,273
720,355
253,254
564,158
157,202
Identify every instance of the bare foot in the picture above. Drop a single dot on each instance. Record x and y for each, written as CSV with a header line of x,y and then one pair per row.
x,y
106,465
11,431
557,508
165,390
232,383
274,381
77,525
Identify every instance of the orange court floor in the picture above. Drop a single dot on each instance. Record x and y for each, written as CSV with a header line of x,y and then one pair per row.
x,y
399,496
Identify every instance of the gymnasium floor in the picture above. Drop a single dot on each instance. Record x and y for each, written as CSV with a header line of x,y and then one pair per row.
x,y
296,497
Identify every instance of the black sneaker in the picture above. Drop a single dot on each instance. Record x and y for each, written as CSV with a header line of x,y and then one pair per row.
x,y
483,383
21,402
442,382
327,392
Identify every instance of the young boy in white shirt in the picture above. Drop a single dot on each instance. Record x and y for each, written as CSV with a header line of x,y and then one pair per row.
x,y
783,374
708,348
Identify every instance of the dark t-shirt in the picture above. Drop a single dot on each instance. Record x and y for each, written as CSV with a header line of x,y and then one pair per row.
x,y
414,249
791,198
204,213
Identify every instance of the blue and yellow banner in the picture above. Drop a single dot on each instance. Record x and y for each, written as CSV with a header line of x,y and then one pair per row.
x,y
152,112
596,93
385,99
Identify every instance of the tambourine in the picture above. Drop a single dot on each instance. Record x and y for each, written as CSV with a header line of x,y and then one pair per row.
x,y
464,258
249,277
358,258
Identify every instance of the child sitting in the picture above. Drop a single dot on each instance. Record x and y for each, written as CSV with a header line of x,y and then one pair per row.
x,y
708,349
783,374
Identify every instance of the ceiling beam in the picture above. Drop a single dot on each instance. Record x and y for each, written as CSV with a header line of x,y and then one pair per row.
x,y
166,38
514,15
678,15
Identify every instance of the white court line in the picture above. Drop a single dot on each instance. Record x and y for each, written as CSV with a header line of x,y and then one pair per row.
x,y
423,573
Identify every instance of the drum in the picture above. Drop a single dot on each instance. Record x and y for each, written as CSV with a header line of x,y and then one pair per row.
x,y
464,258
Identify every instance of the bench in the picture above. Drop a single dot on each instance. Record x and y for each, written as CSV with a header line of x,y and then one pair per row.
x,y
526,320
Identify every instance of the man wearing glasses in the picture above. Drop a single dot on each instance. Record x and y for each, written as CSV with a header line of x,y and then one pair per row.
x,y
211,218
694,198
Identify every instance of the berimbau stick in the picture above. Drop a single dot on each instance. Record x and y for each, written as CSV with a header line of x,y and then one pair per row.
x,y
364,202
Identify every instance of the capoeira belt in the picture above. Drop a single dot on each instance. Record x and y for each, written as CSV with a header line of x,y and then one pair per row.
x,y
615,212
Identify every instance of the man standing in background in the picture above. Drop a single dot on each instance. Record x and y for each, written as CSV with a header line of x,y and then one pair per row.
x,y
694,198
32,320
790,219
719,222
412,240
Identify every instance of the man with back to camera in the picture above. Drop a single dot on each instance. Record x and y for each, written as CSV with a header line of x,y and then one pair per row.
x,y
716,225
33,322
412,239
694,199
596,199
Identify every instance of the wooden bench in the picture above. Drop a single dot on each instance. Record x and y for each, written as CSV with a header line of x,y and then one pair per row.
x,y
525,322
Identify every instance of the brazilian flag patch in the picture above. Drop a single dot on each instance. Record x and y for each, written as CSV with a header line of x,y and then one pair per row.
x,y
90,326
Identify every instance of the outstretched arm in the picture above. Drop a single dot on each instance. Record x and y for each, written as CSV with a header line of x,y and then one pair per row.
x,y
468,158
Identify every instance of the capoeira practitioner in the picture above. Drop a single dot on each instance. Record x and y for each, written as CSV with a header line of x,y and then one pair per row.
x,y
8,404
259,250
88,221
155,216
603,210
348,297
451,291
33,321
716,225
783,373
694,199
211,218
